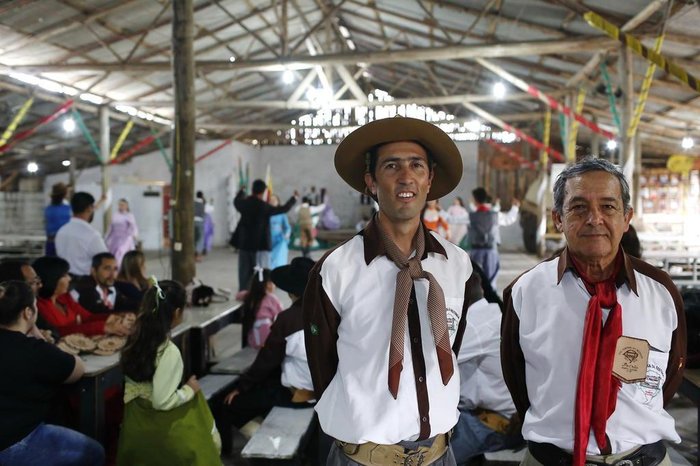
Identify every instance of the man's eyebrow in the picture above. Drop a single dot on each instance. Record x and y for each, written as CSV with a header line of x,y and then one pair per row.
x,y
399,159
583,199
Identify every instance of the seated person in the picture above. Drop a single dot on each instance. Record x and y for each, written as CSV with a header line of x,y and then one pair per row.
x,y
97,292
487,419
280,375
165,423
260,308
61,311
131,280
21,270
32,372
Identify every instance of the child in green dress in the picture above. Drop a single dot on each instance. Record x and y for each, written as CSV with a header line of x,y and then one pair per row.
x,y
164,423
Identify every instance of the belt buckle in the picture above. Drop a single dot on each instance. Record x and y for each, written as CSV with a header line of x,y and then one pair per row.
x,y
415,458
624,463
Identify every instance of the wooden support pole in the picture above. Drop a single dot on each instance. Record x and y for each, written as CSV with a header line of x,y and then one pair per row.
x,y
104,157
182,249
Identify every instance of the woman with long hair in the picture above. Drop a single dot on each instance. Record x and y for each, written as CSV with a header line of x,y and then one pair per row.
x,y
131,280
165,423
123,231
61,311
457,219
260,308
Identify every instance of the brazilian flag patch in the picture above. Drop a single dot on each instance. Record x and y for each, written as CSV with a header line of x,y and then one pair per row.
x,y
314,329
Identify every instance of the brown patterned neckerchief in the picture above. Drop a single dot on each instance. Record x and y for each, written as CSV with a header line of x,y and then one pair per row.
x,y
410,270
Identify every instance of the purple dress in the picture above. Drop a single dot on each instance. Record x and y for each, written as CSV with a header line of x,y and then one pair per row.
x,y
121,234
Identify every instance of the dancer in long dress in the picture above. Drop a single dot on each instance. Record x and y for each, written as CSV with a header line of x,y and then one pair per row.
x,y
457,219
279,233
122,232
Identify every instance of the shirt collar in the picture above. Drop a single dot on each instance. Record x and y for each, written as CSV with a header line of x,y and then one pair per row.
x,y
374,246
626,273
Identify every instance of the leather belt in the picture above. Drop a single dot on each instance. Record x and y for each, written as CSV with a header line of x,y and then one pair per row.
x,y
551,455
374,454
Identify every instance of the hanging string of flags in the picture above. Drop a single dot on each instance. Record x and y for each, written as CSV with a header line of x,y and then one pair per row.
x,y
60,110
637,47
644,92
545,137
86,133
120,140
548,100
555,154
7,134
573,133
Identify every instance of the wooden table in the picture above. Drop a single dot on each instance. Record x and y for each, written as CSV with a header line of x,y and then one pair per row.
x,y
103,372
690,388
205,322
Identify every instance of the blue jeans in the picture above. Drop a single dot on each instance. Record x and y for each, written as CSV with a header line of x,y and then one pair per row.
x,y
55,446
471,438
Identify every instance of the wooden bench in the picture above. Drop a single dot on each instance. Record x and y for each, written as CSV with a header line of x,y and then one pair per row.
x,y
516,456
505,456
281,436
214,388
236,364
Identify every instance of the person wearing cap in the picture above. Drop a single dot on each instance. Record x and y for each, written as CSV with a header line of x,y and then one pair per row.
x,y
280,374
593,341
56,214
384,313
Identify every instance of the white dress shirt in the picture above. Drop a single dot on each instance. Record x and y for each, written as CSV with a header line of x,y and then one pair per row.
x,y
77,242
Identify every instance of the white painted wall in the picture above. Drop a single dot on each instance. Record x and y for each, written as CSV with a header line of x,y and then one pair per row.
x,y
292,167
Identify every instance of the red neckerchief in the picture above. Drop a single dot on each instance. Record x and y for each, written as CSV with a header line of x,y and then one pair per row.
x,y
482,208
596,393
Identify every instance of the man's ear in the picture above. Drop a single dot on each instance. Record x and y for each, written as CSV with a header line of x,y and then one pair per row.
x,y
556,219
371,183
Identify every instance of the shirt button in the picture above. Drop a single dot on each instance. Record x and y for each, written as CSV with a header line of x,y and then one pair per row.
x,y
415,340
425,419
420,379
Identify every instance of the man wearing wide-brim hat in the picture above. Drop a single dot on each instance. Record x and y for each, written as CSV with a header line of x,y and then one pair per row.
x,y
384,313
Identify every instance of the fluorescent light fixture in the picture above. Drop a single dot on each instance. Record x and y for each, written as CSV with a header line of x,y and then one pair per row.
x,y
288,77
92,98
499,90
611,144
350,43
69,125
344,31
66,163
32,167
687,143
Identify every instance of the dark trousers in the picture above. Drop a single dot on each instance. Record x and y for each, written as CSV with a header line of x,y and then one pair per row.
x,y
246,262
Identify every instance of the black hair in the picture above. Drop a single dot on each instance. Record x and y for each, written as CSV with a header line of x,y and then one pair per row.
x,y
256,292
58,193
50,270
259,187
15,296
12,270
153,324
200,194
99,257
630,243
81,201
480,195
372,157
460,200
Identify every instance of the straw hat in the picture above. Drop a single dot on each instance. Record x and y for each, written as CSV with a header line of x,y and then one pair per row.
x,y
351,155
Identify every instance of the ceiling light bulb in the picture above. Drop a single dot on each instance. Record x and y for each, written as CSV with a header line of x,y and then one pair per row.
x,y
611,144
499,90
288,77
66,163
687,143
32,167
232,59
69,125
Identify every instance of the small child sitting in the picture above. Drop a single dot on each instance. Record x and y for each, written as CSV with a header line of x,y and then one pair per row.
x,y
163,424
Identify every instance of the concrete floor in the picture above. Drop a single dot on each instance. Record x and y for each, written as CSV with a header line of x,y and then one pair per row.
x,y
219,269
